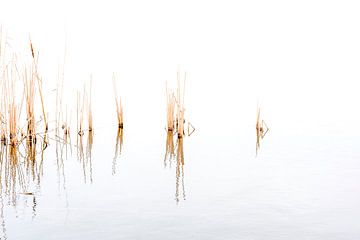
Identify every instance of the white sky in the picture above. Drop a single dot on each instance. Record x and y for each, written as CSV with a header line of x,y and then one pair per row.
x,y
300,60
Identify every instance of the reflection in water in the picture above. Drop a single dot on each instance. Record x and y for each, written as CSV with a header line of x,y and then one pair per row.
x,y
170,149
85,158
18,170
118,147
14,173
61,144
34,207
176,154
261,130
180,185
3,234
89,153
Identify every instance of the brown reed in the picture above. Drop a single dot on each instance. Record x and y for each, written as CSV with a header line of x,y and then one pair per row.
x,y
119,107
180,105
90,118
170,109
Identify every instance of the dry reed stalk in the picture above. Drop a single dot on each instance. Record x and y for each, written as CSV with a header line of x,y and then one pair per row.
x,y
39,82
66,128
3,107
170,109
119,107
180,106
29,90
80,114
12,108
90,118
42,104
58,102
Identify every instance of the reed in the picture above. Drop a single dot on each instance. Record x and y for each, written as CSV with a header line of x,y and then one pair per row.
x,y
13,125
18,165
12,106
66,127
3,92
180,120
175,108
3,110
170,109
90,118
39,82
119,107
29,90
80,113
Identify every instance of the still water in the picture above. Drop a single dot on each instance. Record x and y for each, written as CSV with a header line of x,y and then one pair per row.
x,y
296,188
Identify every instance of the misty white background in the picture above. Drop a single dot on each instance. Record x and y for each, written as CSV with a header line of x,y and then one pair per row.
x,y
298,60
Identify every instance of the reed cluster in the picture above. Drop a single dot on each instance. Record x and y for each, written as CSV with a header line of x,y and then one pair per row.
x,y
19,135
170,109
175,126
118,102
175,108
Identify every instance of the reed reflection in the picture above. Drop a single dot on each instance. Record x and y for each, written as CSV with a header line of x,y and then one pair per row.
x,y
84,156
180,184
118,147
170,149
3,234
20,167
174,154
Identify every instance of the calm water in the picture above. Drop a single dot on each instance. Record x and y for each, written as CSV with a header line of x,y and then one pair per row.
x,y
300,187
